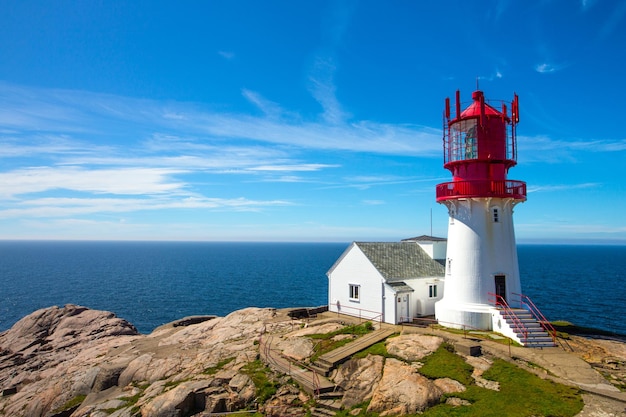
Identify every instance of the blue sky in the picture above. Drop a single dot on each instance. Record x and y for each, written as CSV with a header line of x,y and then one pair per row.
x,y
300,120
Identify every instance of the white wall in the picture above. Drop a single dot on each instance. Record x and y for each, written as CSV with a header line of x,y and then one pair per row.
x,y
422,304
436,250
355,268
478,249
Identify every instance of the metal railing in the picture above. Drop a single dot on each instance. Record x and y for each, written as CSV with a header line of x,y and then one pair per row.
x,y
360,313
518,326
538,315
265,347
481,188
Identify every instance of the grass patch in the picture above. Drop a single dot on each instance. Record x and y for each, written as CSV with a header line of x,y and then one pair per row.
x,y
128,401
522,394
212,370
566,328
355,329
259,374
74,402
362,413
444,363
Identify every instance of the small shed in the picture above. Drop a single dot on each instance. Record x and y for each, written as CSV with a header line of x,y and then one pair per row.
x,y
391,282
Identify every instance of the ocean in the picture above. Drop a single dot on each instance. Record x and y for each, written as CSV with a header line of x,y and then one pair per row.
x,y
152,283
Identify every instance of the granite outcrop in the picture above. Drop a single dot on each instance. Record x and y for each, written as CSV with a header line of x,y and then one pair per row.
x,y
72,361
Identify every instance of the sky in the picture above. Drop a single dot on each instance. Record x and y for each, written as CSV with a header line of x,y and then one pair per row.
x,y
314,121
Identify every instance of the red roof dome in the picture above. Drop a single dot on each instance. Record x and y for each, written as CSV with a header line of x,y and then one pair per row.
x,y
473,110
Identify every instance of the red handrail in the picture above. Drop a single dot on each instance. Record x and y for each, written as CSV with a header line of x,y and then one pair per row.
x,y
519,326
538,315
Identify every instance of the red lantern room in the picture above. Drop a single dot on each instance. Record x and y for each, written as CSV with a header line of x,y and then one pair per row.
x,y
479,147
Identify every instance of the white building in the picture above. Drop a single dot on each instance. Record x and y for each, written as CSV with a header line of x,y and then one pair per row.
x,y
391,282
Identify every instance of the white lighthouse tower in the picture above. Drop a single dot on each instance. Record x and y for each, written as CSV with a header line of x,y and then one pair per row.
x,y
481,263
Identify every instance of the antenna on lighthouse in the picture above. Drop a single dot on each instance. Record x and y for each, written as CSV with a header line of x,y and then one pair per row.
x,y
431,221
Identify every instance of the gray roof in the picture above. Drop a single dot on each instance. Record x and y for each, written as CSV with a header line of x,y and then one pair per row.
x,y
401,286
425,238
397,261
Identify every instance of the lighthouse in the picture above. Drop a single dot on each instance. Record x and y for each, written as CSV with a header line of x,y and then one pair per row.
x,y
481,267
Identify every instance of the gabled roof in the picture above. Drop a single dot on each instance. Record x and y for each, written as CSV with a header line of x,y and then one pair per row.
x,y
425,238
397,261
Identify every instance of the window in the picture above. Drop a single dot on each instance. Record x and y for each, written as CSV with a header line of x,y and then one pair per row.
x,y
432,291
355,292
496,214
452,213
449,267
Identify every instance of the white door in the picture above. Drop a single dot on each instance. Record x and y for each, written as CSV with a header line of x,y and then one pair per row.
x,y
402,308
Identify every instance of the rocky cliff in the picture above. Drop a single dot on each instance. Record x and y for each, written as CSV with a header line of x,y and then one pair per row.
x,y
73,361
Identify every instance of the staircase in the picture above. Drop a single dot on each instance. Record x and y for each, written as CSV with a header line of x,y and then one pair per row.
x,y
524,328
327,362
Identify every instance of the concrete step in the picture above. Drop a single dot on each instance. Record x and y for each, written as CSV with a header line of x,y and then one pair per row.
x,y
533,334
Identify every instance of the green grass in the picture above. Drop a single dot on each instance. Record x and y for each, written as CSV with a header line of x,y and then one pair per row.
x,y
565,328
444,363
74,402
212,370
522,394
355,329
259,374
362,413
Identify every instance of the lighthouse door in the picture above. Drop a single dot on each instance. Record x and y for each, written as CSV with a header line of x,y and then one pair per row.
x,y
501,286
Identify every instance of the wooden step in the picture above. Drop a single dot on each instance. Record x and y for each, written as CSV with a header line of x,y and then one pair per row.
x,y
339,355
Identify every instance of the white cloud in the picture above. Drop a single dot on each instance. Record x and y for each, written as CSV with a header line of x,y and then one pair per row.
x,y
549,68
110,119
124,181
299,167
561,187
68,207
324,91
270,108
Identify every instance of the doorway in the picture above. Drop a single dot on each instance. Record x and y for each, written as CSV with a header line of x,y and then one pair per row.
x,y
501,287
402,309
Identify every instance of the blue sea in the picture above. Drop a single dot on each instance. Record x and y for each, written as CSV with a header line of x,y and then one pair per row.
x,y
152,283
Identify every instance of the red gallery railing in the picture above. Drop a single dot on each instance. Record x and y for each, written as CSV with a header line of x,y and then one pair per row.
x,y
481,188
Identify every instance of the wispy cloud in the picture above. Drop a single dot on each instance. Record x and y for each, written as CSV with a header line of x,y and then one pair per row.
x,y
270,108
561,187
324,90
549,68
68,207
124,181
373,202
99,153
548,149
226,54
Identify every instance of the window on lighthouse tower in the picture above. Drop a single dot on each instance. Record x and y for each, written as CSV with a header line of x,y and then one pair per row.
x,y
496,214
